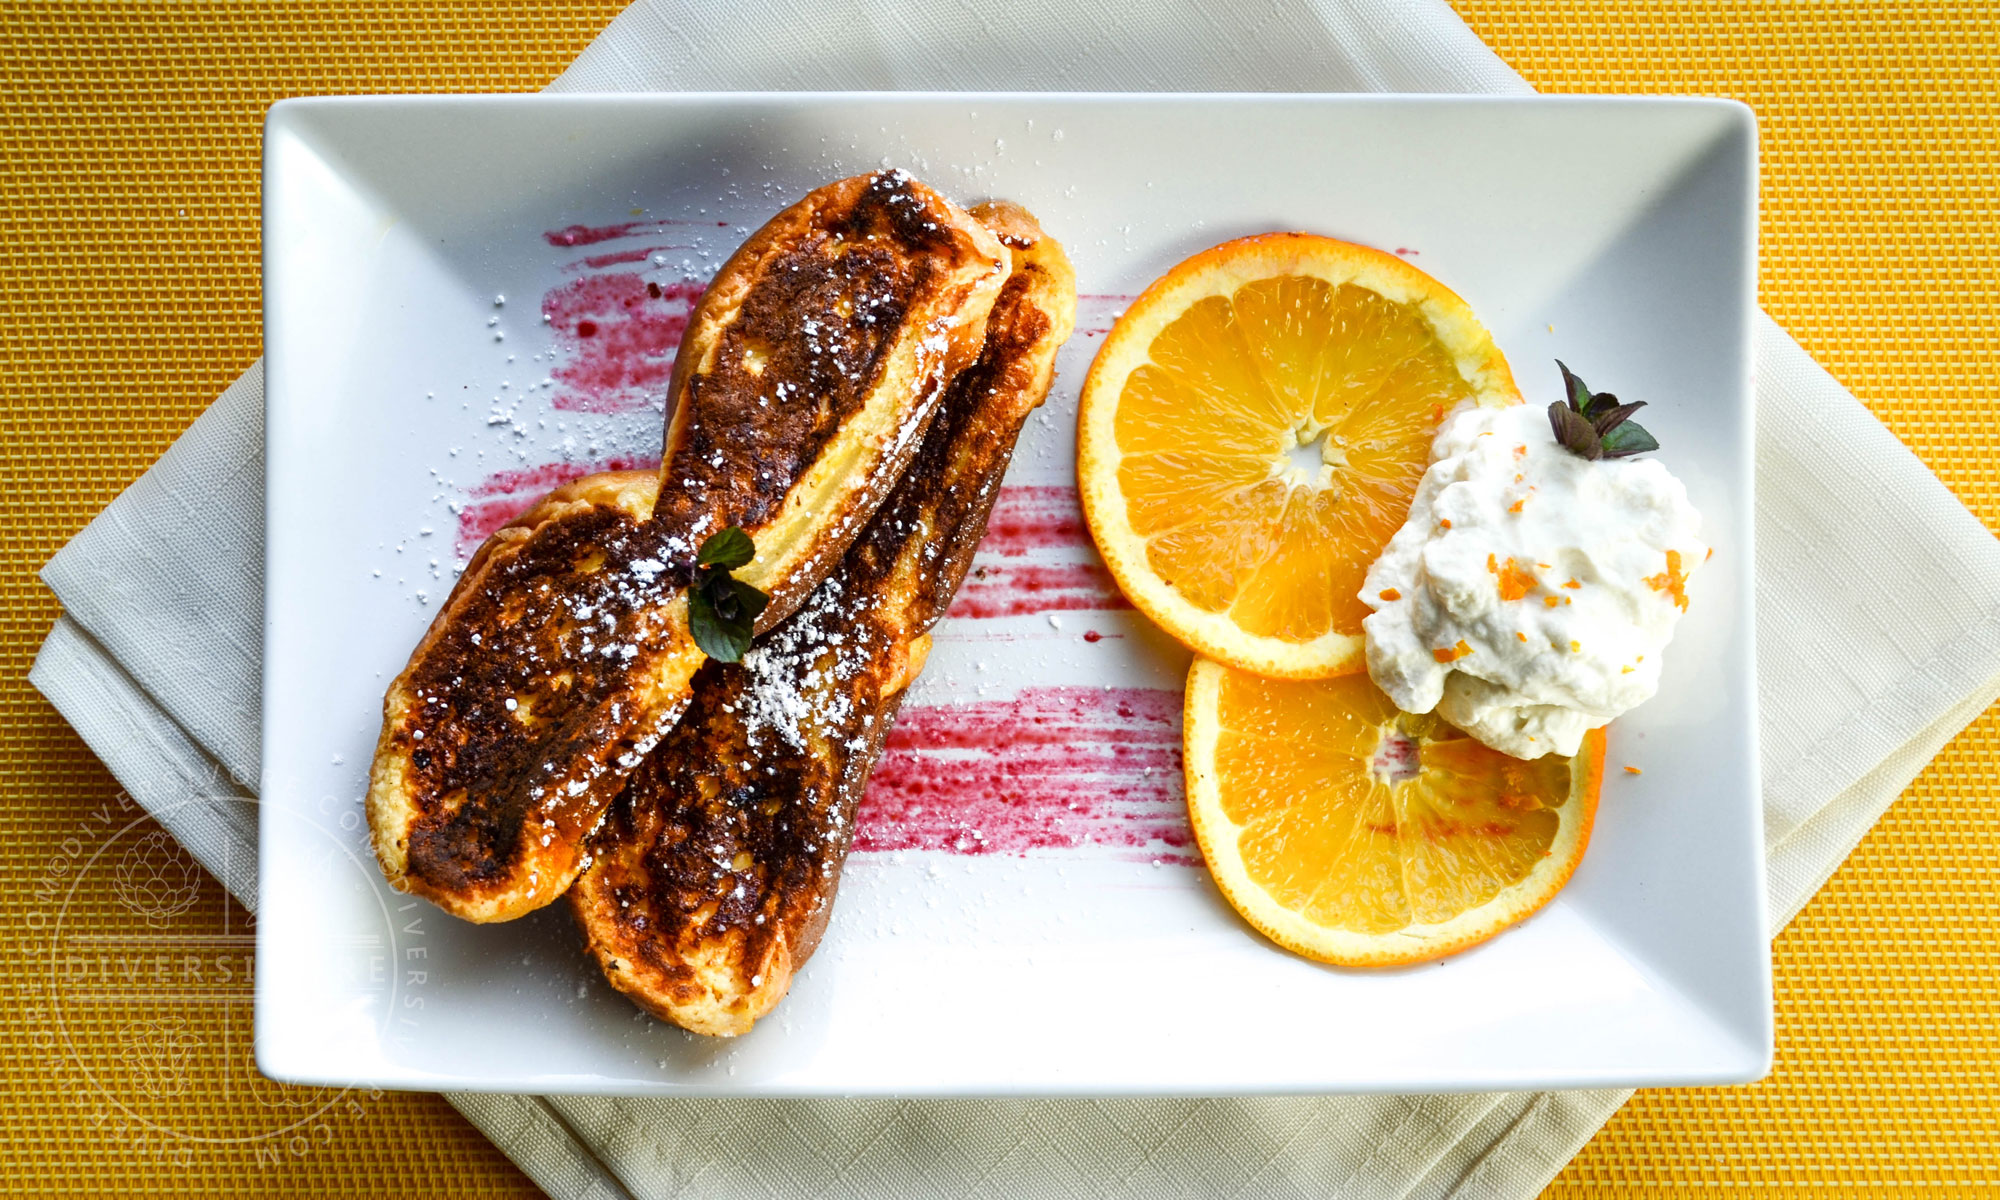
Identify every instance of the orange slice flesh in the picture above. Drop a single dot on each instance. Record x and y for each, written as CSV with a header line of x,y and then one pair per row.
x,y
1355,834
1252,431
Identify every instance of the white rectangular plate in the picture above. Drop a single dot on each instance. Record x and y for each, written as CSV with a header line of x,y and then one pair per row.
x,y
468,297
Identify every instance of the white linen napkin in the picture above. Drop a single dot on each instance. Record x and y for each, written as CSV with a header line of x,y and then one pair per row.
x,y
156,660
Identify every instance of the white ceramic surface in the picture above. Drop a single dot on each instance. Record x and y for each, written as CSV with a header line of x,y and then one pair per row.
x,y
411,248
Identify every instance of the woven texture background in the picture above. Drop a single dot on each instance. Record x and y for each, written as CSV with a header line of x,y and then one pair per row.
x,y
128,298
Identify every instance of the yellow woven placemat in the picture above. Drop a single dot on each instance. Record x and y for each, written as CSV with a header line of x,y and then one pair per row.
x,y
1880,237
128,298
129,141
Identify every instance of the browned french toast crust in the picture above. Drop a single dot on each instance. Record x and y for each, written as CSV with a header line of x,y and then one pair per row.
x,y
713,875
514,705
788,353
809,371
545,632
815,327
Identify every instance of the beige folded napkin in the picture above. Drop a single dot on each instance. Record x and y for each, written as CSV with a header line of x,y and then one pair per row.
x,y
156,660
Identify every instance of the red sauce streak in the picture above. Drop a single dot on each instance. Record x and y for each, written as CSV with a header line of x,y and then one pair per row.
x,y
598,262
1052,769
615,335
590,235
477,522
1092,636
504,495
538,481
1099,321
1015,590
1404,250
1036,557
1034,517
1006,582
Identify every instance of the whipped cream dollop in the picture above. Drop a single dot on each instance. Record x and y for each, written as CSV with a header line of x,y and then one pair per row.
x,y
1531,592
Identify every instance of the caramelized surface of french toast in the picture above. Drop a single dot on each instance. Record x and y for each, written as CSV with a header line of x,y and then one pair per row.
x,y
817,358
714,873
515,704
809,372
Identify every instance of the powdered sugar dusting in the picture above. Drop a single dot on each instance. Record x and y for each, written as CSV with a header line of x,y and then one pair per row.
x,y
797,674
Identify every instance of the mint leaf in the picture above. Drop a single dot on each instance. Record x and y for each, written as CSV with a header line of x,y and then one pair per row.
x,y
1594,425
1576,434
1626,440
745,599
723,610
1604,420
1574,389
720,638
728,550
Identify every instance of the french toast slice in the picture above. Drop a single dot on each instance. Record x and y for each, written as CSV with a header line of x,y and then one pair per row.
x,y
713,875
809,372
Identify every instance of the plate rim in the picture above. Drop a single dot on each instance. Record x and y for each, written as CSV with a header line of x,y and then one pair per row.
x,y
284,117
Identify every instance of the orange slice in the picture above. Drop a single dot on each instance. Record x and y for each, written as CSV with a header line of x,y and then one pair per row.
x,y
1358,835
1253,430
